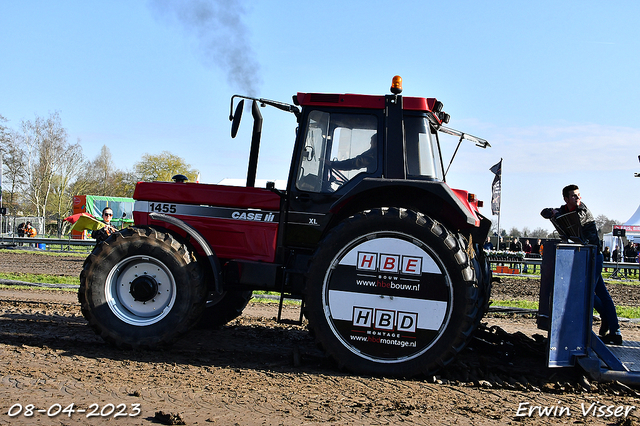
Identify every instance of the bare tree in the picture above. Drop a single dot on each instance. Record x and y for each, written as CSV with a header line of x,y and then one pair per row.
x,y
605,225
61,198
97,177
102,170
539,233
101,177
514,232
45,142
4,131
13,167
14,170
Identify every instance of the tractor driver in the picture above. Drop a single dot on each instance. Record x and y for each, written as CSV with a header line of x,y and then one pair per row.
x,y
366,160
609,329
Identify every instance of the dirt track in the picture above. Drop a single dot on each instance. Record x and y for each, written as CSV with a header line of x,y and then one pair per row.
x,y
254,371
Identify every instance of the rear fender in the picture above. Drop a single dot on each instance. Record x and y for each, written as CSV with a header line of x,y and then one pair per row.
x,y
434,199
214,262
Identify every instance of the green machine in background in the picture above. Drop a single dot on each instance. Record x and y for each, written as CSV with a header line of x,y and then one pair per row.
x,y
94,204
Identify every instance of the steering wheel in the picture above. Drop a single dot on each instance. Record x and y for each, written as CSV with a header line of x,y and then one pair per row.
x,y
337,176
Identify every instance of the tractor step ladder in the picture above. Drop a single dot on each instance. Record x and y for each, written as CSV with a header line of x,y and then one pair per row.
x,y
571,336
287,295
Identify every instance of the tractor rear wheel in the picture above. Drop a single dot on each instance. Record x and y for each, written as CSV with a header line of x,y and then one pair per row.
x,y
142,288
391,292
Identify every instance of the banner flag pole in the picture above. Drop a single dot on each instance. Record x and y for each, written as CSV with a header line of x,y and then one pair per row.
x,y
496,193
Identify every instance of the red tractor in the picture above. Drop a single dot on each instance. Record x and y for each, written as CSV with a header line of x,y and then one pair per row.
x,y
385,257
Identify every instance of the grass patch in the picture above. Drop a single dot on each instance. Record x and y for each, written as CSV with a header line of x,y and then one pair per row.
x,y
28,287
39,278
259,297
622,311
269,293
628,311
49,253
524,304
620,280
518,276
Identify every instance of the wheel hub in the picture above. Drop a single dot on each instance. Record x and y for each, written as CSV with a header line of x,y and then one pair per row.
x,y
144,288
140,290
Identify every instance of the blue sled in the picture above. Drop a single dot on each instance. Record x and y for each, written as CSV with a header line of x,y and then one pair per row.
x,y
566,299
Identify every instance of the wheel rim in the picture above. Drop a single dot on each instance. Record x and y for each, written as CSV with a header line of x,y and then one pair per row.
x,y
140,290
387,297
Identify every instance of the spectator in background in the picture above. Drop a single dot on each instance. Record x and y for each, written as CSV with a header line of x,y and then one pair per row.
x,y
515,246
638,258
606,255
630,254
21,230
536,251
501,244
615,256
30,231
488,245
103,233
526,247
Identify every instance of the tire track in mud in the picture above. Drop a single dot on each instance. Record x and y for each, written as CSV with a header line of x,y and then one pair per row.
x,y
49,355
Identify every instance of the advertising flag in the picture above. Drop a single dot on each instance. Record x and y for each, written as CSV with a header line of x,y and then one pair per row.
x,y
496,188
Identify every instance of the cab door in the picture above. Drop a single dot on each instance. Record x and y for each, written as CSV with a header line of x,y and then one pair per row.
x,y
336,149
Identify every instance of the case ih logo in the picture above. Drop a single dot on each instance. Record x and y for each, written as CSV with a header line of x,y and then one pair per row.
x,y
389,263
385,319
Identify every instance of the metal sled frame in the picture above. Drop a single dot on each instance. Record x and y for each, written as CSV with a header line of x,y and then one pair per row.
x,y
571,338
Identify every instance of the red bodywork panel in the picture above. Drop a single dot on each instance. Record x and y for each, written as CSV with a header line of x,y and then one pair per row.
x,y
237,222
472,207
213,195
362,101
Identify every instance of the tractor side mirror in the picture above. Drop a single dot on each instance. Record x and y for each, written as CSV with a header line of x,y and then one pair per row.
x,y
236,118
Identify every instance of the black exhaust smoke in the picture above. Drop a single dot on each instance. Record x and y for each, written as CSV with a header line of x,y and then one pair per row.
x,y
222,36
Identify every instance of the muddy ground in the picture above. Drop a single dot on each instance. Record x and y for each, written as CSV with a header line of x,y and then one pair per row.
x,y
257,372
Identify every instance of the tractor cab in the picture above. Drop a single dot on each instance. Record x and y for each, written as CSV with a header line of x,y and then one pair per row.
x,y
354,152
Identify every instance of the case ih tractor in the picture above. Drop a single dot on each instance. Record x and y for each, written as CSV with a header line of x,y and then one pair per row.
x,y
384,256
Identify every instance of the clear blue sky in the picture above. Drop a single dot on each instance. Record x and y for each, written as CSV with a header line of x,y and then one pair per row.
x,y
553,86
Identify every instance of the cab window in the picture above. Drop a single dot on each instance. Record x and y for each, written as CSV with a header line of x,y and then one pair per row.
x,y
337,148
422,149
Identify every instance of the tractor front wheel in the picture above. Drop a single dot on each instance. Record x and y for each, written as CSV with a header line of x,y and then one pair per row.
x,y
141,289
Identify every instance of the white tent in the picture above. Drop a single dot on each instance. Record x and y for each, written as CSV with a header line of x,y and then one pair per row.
x,y
632,232
635,219
632,227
